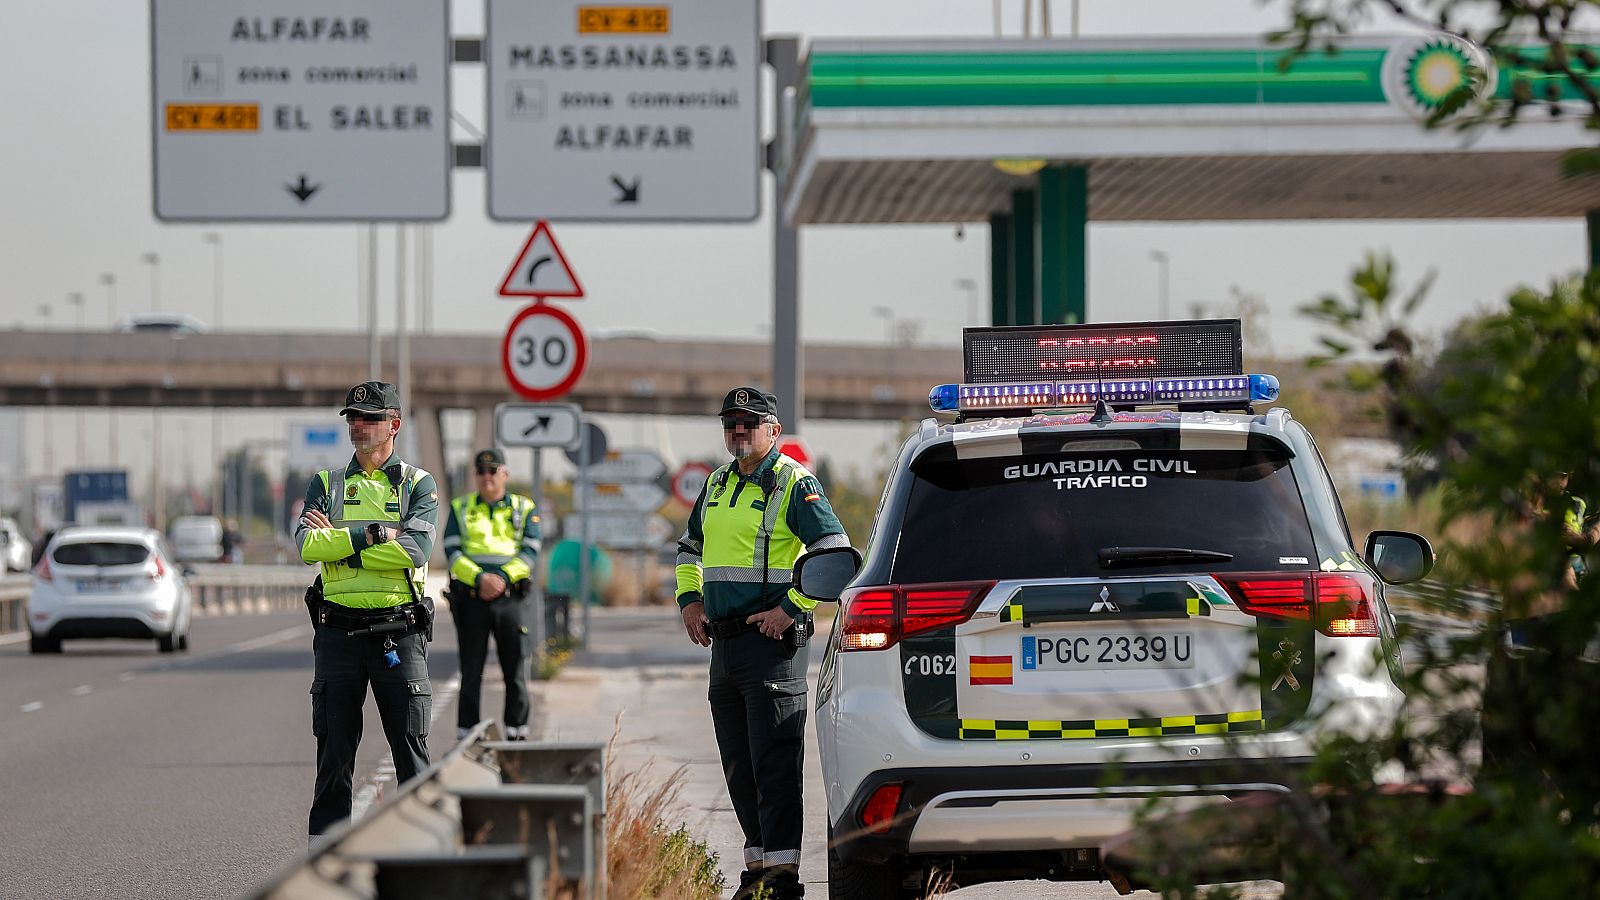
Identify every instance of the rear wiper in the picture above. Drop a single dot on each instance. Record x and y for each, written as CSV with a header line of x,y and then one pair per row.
x,y
1111,557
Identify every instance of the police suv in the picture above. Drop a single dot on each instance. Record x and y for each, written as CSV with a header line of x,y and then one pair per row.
x,y
1108,579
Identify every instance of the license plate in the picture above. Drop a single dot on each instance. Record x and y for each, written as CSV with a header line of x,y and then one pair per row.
x,y
99,585
1167,649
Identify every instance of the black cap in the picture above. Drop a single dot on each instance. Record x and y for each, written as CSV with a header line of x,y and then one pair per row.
x,y
749,399
489,457
371,397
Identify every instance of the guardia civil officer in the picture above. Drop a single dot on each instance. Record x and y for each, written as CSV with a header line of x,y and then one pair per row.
x,y
753,519
371,527
493,543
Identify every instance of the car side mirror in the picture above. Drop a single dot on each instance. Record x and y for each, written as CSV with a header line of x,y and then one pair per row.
x,y
1399,557
821,575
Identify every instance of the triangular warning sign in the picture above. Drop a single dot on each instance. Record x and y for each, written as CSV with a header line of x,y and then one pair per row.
x,y
541,270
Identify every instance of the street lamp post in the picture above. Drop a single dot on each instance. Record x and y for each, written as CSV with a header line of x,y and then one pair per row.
x,y
215,240
76,299
971,287
153,260
1161,259
110,281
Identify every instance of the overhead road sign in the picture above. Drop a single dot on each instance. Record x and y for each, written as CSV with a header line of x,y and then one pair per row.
x,y
634,497
622,531
300,110
620,466
646,113
541,270
688,481
544,353
538,425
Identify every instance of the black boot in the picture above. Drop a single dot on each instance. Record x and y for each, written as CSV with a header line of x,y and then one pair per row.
x,y
748,879
785,885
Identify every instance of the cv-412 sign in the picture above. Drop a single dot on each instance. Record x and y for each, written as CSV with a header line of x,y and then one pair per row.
x,y
636,113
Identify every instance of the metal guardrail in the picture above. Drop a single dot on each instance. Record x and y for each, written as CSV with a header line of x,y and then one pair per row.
x,y
216,589
491,819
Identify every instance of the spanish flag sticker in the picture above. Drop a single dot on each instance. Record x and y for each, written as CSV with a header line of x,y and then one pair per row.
x,y
812,498
989,669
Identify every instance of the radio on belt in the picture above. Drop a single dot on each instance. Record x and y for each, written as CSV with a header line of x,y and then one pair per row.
x,y
1023,369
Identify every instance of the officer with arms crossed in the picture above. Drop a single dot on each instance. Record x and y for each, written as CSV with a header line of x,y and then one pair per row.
x,y
493,543
753,519
371,526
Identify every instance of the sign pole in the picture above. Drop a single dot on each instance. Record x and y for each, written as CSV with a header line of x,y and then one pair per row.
x,y
583,537
536,627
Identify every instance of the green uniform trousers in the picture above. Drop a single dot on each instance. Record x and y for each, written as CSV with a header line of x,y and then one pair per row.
x,y
758,708
344,667
508,620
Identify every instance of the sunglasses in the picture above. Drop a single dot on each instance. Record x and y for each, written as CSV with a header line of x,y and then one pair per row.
x,y
487,470
367,417
748,423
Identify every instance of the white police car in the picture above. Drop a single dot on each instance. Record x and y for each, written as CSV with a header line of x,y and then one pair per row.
x,y
1108,558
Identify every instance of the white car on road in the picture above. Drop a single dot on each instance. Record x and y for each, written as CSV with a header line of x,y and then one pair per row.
x,y
16,551
108,582
1069,609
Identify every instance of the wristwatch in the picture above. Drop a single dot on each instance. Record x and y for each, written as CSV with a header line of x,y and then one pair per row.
x,y
375,533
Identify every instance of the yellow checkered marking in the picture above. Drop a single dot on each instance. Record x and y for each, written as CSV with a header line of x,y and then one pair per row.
x,y
1047,730
1012,611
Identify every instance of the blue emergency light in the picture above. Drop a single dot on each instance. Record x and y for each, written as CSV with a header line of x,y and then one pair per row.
x,y
1194,364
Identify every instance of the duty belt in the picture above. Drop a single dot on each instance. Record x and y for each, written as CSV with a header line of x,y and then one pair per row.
x,y
722,629
408,618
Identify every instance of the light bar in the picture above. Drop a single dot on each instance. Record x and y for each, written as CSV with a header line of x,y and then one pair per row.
x,y
1032,395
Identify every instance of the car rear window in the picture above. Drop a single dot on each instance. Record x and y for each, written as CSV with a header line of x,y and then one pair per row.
x,y
1048,511
101,553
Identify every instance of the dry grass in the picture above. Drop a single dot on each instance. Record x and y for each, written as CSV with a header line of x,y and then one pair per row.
x,y
646,857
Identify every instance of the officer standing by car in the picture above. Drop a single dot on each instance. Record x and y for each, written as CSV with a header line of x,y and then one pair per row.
x,y
752,520
492,540
371,527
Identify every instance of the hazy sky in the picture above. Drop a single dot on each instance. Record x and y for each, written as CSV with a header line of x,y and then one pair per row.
x,y
77,203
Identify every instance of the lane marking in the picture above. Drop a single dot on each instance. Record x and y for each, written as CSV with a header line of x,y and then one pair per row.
x,y
277,637
35,706
82,690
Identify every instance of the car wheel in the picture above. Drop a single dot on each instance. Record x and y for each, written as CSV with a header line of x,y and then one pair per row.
x,y
183,642
167,643
851,881
37,644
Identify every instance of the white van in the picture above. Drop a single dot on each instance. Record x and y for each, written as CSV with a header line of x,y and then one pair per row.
x,y
197,539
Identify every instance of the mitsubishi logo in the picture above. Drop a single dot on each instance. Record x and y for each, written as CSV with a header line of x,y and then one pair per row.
x,y
1104,604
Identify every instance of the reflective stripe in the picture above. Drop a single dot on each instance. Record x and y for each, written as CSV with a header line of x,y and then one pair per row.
x,y
829,540
419,525
453,540
742,575
781,858
752,857
336,497
769,517
406,474
688,559
697,547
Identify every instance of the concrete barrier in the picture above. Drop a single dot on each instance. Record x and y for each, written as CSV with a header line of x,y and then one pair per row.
x,y
491,819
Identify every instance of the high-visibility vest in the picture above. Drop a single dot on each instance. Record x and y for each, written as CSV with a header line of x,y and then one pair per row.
x,y
491,536
361,502
747,545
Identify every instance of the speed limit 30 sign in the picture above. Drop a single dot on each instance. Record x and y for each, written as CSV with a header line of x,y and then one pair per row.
x,y
544,352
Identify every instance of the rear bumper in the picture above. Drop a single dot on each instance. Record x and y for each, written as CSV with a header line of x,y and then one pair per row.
x,y
104,627
1046,807
138,616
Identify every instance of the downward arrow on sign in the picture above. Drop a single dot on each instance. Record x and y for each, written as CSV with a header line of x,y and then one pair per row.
x,y
303,190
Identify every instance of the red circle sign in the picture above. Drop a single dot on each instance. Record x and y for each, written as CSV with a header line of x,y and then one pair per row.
x,y
544,352
688,481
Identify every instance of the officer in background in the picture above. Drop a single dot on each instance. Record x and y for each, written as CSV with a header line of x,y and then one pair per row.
x,y
371,527
753,519
493,544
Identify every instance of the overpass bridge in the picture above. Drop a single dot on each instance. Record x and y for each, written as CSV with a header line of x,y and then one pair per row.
x,y
289,370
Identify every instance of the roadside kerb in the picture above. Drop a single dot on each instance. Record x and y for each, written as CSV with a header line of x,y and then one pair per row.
x,y
491,818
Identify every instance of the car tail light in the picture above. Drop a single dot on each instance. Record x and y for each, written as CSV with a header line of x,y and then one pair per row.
x,y
878,815
157,569
42,570
876,618
1343,602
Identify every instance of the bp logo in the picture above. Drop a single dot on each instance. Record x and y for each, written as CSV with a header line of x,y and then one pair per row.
x,y
1419,74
